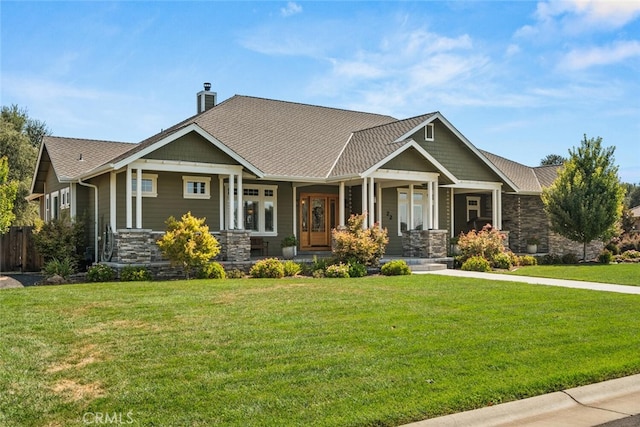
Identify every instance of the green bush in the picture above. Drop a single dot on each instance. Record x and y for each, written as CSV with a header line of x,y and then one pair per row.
x,y
629,256
337,270
550,259
59,239
396,267
355,243
100,273
318,274
502,260
357,270
605,257
528,260
267,268
188,243
132,273
476,263
291,268
570,258
235,274
212,270
64,267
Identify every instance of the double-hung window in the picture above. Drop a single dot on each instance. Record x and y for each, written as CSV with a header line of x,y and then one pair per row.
x,y
149,185
415,220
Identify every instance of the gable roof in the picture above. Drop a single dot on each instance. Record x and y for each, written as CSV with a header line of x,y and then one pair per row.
x,y
527,179
71,158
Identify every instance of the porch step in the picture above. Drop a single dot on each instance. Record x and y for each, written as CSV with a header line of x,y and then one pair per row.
x,y
428,267
424,264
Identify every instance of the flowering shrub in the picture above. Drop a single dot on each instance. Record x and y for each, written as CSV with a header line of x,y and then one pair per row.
x,y
486,243
270,268
356,244
396,267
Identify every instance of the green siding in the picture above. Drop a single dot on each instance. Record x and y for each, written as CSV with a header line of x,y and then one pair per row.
x,y
454,155
410,160
191,148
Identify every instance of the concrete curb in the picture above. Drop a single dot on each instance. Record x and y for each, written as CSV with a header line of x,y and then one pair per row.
x,y
581,407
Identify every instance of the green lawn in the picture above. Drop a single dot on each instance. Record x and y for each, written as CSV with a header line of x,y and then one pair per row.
x,y
621,274
368,351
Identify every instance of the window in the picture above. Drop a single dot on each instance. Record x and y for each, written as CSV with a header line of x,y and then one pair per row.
x,y
418,219
473,207
196,187
429,132
47,208
259,208
149,185
55,205
64,198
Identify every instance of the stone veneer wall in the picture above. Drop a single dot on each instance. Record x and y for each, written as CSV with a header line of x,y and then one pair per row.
x,y
235,245
524,217
424,243
562,246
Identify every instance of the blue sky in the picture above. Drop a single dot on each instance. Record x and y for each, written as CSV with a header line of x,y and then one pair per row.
x,y
520,79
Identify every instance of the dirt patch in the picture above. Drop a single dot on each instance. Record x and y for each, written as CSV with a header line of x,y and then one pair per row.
x,y
81,358
120,324
74,392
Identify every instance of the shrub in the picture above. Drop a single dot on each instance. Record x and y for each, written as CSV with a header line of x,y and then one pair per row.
x,y
291,268
235,274
550,259
64,267
629,242
131,273
318,274
476,263
365,246
212,270
502,260
396,267
337,270
267,268
528,260
59,239
605,257
357,270
486,243
613,248
188,243
570,258
100,273
629,256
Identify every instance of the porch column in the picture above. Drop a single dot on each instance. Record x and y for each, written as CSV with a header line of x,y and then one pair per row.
x,y
372,216
72,199
451,211
128,198
112,200
230,215
411,207
496,206
436,206
364,199
295,211
340,204
138,198
239,212
221,200
379,202
429,224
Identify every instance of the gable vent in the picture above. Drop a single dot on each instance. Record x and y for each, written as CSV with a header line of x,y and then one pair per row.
x,y
206,99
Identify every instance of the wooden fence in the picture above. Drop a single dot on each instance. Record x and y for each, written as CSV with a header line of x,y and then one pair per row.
x,y
17,251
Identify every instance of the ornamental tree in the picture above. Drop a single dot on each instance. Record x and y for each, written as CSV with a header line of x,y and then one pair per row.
x,y
188,243
584,203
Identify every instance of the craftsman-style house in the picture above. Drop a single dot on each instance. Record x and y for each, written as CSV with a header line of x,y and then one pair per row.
x,y
265,169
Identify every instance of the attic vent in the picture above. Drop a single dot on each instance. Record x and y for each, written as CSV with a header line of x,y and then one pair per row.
x,y
206,99
429,132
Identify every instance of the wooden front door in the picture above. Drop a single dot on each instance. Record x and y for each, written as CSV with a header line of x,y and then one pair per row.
x,y
318,216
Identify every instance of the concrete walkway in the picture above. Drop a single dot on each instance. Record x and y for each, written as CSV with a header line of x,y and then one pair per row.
x,y
539,281
615,402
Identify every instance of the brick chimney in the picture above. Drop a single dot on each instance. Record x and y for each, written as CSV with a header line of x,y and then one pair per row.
x,y
206,99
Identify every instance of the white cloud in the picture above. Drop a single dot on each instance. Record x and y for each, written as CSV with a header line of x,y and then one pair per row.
x,y
292,8
579,59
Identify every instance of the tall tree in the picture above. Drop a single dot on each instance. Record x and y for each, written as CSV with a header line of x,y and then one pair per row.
x,y
585,201
20,139
8,191
553,160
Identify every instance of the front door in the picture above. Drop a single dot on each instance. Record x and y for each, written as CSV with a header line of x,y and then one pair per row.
x,y
318,214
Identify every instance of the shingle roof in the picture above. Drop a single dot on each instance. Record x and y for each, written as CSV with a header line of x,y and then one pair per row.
x,y
528,179
369,146
73,157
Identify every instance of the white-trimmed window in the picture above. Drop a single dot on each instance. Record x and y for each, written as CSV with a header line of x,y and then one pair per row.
x,y
65,201
420,209
55,205
429,132
149,185
259,208
473,207
47,207
196,187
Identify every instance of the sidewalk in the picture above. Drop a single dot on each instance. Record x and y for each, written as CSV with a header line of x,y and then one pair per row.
x,y
615,402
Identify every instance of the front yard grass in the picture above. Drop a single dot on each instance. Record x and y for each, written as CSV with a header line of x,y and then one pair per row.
x,y
620,274
300,351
